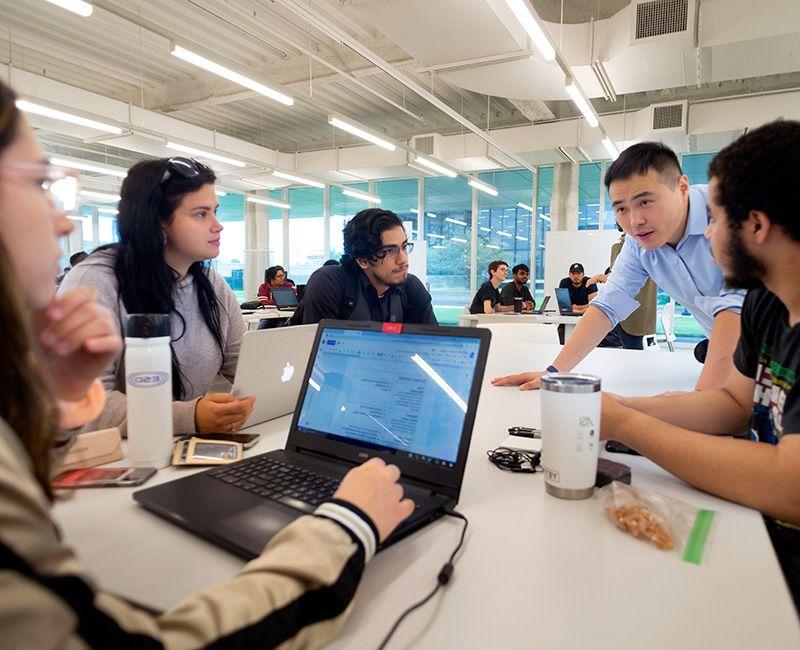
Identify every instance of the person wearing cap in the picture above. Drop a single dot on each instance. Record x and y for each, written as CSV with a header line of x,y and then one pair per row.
x,y
582,290
665,220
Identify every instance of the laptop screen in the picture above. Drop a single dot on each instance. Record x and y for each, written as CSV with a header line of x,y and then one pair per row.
x,y
402,393
564,301
284,297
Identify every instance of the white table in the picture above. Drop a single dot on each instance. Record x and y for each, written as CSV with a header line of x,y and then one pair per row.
x,y
252,320
548,318
535,572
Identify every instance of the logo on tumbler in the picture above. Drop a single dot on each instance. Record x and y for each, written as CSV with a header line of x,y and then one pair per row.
x,y
148,379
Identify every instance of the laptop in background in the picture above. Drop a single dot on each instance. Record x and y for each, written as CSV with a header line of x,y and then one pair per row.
x,y
565,303
542,307
405,393
285,298
270,368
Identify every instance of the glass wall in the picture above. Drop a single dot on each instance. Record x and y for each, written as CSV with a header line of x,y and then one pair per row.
x,y
589,182
544,192
230,261
342,209
400,196
504,227
275,231
695,166
306,245
448,215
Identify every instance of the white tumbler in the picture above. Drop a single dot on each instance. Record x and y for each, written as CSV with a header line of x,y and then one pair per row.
x,y
570,434
148,382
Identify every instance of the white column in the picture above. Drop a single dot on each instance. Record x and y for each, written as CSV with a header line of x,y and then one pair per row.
x,y
564,200
534,233
95,228
473,245
256,236
285,223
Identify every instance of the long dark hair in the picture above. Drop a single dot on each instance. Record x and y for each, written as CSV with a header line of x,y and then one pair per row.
x,y
146,282
26,402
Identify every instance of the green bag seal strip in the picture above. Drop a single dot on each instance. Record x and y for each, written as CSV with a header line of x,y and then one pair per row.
x,y
696,544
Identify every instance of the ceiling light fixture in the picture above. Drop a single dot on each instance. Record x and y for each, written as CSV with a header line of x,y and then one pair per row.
x,y
435,166
455,221
75,6
298,179
231,75
44,111
100,196
364,196
495,246
483,187
269,202
459,240
220,193
86,167
610,147
525,207
360,132
414,210
432,215
581,102
108,210
205,154
430,234
531,25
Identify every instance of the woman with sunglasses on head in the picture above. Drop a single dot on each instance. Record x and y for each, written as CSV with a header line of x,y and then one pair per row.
x,y
296,594
168,231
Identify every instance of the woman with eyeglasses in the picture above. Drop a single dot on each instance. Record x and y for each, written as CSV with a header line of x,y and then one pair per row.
x,y
168,231
274,278
296,594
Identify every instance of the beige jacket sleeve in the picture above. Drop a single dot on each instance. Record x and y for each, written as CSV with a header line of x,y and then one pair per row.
x,y
296,594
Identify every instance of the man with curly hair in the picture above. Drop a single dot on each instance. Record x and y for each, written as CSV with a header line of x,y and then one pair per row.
x,y
372,283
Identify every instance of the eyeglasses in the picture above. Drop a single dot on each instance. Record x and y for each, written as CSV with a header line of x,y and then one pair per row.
x,y
394,251
185,167
62,185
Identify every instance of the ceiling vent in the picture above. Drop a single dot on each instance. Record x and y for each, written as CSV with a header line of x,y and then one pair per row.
x,y
428,145
662,19
671,117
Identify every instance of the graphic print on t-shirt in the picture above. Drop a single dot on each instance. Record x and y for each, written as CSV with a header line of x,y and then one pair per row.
x,y
773,383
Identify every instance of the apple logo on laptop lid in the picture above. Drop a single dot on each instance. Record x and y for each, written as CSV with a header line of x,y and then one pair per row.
x,y
288,372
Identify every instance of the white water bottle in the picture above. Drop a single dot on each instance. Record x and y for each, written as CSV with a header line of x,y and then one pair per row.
x,y
148,380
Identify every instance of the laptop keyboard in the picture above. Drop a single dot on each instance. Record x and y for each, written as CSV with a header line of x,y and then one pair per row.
x,y
270,478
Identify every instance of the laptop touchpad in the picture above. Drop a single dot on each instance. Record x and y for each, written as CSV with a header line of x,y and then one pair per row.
x,y
254,527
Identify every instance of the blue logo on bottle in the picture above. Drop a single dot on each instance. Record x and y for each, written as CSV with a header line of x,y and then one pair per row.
x,y
148,379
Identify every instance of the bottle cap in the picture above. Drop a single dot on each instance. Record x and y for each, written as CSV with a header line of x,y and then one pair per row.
x,y
146,326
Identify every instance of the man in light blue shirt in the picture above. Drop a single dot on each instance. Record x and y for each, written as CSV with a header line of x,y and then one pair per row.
x,y
665,220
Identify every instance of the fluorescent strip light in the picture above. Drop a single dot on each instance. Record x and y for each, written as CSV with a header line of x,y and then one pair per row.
x,y
435,166
544,217
455,221
438,246
486,229
522,238
420,169
483,187
230,75
458,239
525,207
75,6
100,195
432,215
361,133
504,234
414,210
430,234
439,381
364,196
581,102
108,210
44,111
205,154
220,193
314,384
495,246
298,179
270,202
87,167
531,25
610,147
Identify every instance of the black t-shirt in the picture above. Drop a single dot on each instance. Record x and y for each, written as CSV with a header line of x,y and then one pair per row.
x,y
578,295
487,291
509,292
769,353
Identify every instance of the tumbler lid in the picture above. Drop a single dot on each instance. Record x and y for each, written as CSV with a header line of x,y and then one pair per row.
x,y
564,382
147,326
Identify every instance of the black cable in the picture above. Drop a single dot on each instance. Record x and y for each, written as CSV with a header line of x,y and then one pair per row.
x,y
445,573
515,460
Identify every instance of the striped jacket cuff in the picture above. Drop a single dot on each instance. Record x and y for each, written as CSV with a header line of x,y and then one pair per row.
x,y
355,521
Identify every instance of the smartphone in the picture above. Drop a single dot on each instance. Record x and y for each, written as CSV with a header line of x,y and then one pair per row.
x,y
619,448
247,439
103,477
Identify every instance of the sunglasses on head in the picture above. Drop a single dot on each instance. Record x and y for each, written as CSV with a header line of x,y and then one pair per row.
x,y
184,167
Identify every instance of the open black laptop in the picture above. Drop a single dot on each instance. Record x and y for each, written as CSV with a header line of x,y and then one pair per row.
x,y
405,393
565,303
542,307
284,298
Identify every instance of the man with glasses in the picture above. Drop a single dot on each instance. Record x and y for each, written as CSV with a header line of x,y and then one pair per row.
x,y
373,282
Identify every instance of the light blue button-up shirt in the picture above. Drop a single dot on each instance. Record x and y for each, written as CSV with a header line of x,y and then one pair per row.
x,y
687,273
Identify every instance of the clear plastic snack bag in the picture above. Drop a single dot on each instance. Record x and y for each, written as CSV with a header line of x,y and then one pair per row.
x,y
667,523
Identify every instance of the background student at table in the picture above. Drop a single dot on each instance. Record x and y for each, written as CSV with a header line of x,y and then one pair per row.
x,y
168,230
274,278
755,236
518,288
487,299
582,290
665,220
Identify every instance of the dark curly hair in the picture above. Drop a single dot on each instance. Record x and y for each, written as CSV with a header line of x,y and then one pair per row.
x,y
362,235
640,158
759,172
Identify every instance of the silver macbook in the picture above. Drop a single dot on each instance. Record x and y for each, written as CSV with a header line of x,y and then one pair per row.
x,y
270,368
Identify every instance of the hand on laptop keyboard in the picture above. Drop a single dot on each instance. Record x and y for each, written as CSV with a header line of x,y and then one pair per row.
x,y
373,487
